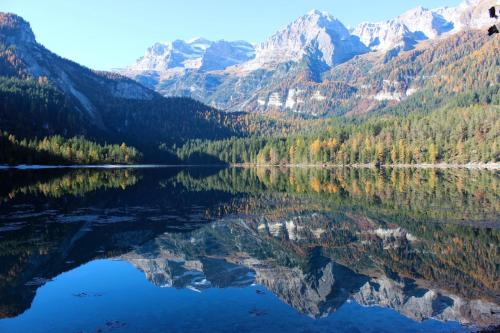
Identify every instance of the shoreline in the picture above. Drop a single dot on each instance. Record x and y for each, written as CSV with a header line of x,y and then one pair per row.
x,y
105,166
470,166
492,166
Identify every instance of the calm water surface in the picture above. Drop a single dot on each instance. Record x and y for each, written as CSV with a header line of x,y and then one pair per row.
x,y
249,250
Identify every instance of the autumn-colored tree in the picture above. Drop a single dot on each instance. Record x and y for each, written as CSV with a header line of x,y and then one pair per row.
x,y
314,149
394,154
402,151
291,154
433,153
379,152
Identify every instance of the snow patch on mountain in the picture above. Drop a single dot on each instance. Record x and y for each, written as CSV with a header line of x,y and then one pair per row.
x,y
317,34
196,53
406,30
425,23
470,14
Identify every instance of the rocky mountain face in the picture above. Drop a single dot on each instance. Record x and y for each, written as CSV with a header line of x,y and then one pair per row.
x,y
101,105
406,30
176,272
272,253
163,61
198,53
420,303
317,35
178,54
470,14
298,70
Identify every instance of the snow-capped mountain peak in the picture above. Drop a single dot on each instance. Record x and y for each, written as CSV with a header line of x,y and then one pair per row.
x,y
383,37
470,14
426,22
420,23
199,43
196,53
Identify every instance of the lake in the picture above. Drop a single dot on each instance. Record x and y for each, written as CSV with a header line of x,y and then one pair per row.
x,y
249,250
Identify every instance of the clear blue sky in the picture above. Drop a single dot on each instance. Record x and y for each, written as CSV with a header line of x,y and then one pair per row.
x,y
104,34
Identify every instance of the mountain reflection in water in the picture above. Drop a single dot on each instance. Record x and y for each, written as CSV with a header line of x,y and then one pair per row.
x,y
423,243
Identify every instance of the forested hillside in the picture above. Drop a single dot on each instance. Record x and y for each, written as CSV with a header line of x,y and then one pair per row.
x,y
448,134
59,150
433,73
43,94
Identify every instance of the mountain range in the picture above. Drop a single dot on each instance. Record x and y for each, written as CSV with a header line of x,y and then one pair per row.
x,y
316,65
